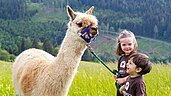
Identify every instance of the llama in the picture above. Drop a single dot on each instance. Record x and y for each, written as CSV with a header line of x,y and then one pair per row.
x,y
38,73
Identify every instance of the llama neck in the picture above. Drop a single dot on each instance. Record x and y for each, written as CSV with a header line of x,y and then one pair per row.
x,y
67,61
71,51
64,67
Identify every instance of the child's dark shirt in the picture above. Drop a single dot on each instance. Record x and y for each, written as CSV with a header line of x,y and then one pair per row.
x,y
122,65
122,69
135,86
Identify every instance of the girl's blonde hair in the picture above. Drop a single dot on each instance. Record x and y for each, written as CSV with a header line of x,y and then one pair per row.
x,y
125,34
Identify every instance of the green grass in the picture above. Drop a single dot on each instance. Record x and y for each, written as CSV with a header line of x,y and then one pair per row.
x,y
41,17
158,81
34,6
6,88
93,79
46,14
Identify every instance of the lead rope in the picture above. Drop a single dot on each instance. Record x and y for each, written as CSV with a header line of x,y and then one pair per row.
x,y
101,61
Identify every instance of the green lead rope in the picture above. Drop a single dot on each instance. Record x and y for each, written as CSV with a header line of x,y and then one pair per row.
x,y
101,61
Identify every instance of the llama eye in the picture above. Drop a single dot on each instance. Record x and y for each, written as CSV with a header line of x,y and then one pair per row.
x,y
80,24
94,29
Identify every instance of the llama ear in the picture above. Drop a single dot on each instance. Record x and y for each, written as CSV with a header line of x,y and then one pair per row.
x,y
71,13
90,11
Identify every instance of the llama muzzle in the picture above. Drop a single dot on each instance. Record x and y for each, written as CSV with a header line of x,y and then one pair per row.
x,y
89,33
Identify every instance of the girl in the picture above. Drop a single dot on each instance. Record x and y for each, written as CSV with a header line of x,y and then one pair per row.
x,y
126,45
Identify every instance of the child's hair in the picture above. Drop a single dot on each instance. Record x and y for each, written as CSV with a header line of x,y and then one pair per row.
x,y
141,61
125,34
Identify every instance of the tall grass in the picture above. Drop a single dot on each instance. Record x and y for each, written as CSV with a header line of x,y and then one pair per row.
x,y
158,82
6,88
93,79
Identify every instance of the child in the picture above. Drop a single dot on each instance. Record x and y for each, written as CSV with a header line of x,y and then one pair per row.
x,y
126,46
138,65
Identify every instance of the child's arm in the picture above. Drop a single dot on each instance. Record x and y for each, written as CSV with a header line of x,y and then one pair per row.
x,y
121,80
122,89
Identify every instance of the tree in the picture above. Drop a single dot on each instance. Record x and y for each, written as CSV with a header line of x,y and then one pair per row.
x,y
36,43
26,43
47,46
4,55
12,9
156,31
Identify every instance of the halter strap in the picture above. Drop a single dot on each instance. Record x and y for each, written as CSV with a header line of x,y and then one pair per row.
x,y
87,30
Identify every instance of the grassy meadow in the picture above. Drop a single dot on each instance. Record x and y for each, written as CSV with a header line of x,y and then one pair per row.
x,y
93,79
6,87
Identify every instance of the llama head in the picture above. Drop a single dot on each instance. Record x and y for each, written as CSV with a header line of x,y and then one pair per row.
x,y
83,21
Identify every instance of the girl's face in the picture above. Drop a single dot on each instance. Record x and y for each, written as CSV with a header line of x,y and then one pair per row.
x,y
127,45
131,68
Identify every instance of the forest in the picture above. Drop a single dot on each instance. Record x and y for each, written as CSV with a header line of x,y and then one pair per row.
x,y
42,23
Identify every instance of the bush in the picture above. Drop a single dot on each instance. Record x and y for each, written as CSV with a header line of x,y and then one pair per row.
x,y
5,56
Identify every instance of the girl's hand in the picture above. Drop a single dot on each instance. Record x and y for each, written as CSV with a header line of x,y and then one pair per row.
x,y
115,76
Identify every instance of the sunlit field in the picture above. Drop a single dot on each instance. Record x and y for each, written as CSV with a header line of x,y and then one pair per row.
x,y
93,79
6,87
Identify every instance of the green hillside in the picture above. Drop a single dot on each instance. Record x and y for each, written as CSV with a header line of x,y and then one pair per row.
x,y
159,51
32,22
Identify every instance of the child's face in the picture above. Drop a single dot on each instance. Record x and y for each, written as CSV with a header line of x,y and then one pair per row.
x,y
127,45
131,67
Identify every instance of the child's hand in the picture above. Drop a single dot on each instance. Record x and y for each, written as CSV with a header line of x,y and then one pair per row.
x,y
120,81
115,76
122,89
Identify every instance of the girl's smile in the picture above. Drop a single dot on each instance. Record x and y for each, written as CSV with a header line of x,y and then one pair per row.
x,y
127,45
